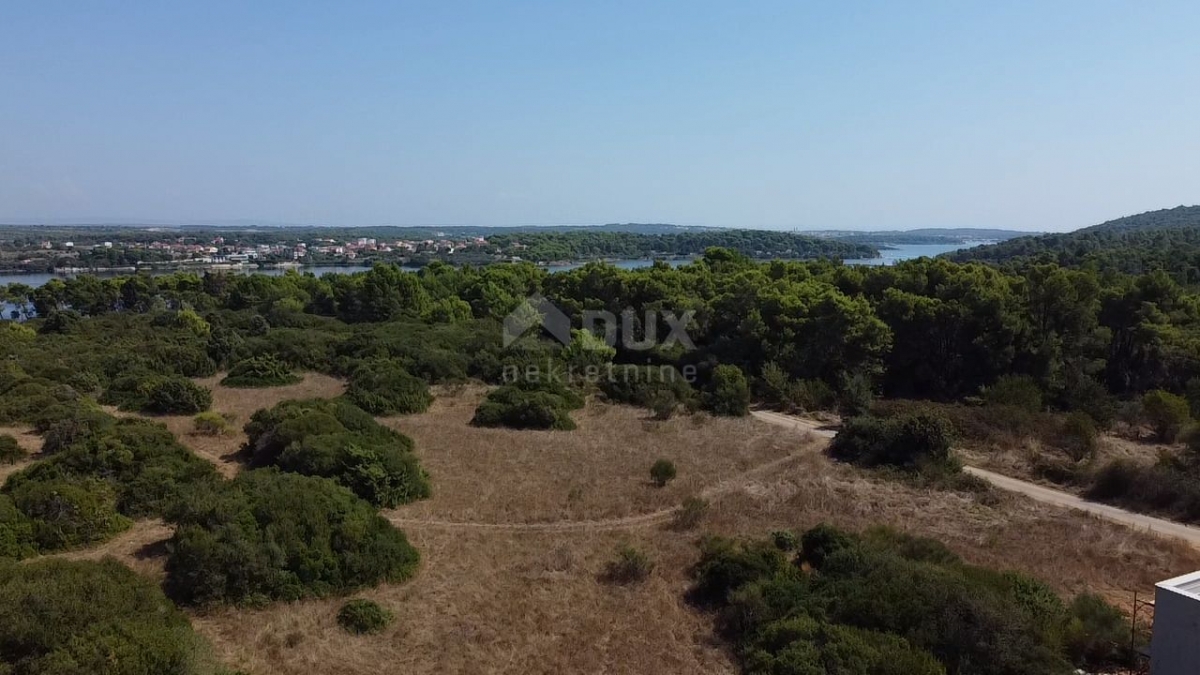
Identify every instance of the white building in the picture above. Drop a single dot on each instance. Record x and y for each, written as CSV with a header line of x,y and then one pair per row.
x,y
1175,646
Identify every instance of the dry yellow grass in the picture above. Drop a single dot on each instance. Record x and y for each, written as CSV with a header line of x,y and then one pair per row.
x,y
495,600
522,525
601,470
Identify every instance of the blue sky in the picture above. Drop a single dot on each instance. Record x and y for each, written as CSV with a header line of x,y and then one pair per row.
x,y
1046,115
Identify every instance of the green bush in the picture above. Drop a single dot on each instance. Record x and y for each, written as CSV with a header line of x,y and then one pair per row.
x,y
1164,488
277,536
913,442
210,424
690,513
728,393
1166,413
631,566
785,540
85,422
662,472
886,602
335,439
158,394
1079,436
11,451
260,371
69,513
384,387
16,531
363,617
60,617
141,462
647,386
528,406
1018,391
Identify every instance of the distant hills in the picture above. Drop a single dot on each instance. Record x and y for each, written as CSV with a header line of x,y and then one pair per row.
x,y
1167,239
928,235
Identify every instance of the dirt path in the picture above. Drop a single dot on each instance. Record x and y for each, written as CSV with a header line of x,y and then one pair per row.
x,y
1034,491
710,493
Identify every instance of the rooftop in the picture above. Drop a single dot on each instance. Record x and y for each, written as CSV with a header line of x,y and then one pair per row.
x,y
1188,584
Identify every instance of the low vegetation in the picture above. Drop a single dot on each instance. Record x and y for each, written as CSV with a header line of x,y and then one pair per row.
x,y
363,617
269,535
10,450
662,472
912,443
336,439
73,617
529,406
885,602
98,478
158,394
631,566
384,387
260,371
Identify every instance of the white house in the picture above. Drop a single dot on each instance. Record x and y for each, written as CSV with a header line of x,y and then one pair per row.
x,y
1175,646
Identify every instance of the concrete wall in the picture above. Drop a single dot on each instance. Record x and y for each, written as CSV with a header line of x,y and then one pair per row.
x,y
1175,647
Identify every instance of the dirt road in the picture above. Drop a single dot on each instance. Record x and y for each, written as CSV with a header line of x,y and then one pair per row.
x,y
1039,493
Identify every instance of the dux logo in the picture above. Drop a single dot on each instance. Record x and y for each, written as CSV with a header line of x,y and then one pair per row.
x,y
538,311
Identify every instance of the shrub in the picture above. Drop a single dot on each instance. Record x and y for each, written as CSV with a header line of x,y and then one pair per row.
x,y
210,424
10,450
276,536
141,462
631,566
654,387
16,531
785,540
60,617
335,439
1166,413
1019,391
728,392
890,603
528,406
727,565
662,472
1163,488
1079,436
912,442
260,371
363,617
158,394
84,423
1095,631
690,513
384,387
781,392
69,513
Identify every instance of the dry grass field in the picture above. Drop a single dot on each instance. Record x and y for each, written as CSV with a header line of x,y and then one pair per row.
x,y
522,524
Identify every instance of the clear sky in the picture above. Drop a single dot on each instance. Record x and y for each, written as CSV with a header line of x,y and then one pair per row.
x,y
1051,115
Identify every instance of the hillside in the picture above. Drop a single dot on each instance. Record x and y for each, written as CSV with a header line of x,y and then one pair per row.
x,y
1166,240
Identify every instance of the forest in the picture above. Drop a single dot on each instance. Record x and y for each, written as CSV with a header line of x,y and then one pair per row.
x,y
1167,241
1001,344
